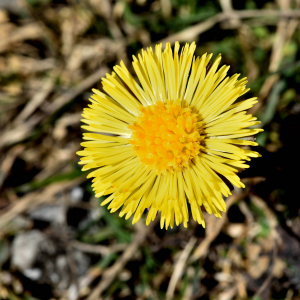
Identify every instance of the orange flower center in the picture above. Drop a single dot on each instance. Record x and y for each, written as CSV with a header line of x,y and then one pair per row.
x,y
166,136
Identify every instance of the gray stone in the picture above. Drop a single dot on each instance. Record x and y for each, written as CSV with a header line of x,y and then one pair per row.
x,y
26,247
48,213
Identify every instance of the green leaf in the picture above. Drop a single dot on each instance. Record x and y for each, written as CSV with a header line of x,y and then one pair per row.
x,y
272,103
33,185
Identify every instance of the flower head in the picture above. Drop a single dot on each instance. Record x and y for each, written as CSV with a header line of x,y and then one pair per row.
x,y
168,140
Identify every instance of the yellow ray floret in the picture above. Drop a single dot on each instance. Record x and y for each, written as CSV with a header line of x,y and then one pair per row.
x,y
164,142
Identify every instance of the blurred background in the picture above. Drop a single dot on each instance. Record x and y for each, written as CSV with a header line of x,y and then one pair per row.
x,y
56,242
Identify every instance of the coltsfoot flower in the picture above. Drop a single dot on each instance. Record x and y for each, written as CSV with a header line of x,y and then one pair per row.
x,y
172,136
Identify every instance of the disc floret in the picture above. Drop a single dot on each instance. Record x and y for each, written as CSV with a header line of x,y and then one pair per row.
x,y
167,136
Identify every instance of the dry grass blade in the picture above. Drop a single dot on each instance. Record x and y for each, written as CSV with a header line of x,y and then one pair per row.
x,y
284,32
166,8
23,130
245,36
201,250
110,274
189,289
80,88
179,267
98,249
19,132
51,54
37,99
8,161
270,275
33,199
30,31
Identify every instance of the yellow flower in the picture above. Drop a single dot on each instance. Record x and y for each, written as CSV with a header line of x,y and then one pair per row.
x,y
170,137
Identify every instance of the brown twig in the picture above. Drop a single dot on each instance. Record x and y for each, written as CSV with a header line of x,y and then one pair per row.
x,y
193,31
